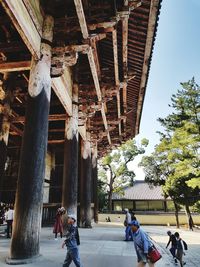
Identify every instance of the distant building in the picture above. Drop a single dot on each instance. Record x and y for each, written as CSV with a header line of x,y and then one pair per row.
x,y
142,197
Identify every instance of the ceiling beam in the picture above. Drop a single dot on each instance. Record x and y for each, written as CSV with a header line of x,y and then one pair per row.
x,y
24,24
147,55
28,25
14,66
91,58
116,68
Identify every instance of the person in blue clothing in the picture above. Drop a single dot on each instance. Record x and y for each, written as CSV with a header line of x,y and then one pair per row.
x,y
72,242
142,244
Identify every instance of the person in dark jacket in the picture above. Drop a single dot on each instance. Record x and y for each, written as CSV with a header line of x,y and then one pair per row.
x,y
72,242
172,240
181,247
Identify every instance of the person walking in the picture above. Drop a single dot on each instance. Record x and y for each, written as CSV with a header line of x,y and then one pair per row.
x,y
127,221
142,244
172,240
181,246
72,242
58,225
9,215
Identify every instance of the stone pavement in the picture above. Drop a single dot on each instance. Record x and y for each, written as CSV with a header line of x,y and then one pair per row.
x,y
103,246
192,238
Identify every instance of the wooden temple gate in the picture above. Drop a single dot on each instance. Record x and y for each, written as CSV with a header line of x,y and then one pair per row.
x,y
73,75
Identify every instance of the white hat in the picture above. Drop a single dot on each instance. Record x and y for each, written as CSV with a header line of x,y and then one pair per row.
x,y
72,216
126,210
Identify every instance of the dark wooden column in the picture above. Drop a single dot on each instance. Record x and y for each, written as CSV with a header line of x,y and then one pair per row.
x,y
70,172
85,184
5,100
28,205
95,181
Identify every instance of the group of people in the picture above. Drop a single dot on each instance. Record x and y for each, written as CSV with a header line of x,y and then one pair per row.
x,y
143,244
178,246
7,216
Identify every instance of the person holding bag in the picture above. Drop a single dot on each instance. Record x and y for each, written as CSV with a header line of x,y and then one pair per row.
x,y
145,250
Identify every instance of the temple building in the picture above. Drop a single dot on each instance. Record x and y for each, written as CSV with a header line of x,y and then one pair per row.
x,y
142,197
73,76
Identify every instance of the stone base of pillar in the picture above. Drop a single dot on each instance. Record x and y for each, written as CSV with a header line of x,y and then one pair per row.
x,y
23,261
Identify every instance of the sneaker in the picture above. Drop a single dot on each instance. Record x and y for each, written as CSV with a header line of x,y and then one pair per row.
x,y
56,238
175,261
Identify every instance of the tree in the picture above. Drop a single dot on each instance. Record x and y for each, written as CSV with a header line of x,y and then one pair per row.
x,y
180,144
157,170
113,168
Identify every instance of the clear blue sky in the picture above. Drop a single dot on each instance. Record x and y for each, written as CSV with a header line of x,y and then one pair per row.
x,y
176,58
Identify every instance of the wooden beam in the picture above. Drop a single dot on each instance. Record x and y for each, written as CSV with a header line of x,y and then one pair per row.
x,y
28,25
15,66
116,68
148,50
52,117
59,141
98,90
60,88
24,24
81,17
93,67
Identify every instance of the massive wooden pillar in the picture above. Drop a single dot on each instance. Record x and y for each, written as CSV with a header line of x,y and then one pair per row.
x,y
70,172
29,195
85,184
95,182
5,100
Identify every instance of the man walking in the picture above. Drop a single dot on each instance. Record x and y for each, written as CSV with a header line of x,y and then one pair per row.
x,y
9,215
72,242
126,224
172,240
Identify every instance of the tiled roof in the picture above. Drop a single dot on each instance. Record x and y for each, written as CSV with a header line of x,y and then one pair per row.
x,y
140,191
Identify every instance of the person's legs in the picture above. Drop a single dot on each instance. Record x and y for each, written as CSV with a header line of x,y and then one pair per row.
x,y
76,257
11,224
8,229
173,252
151,264
141,264
179,256
127,231
68,260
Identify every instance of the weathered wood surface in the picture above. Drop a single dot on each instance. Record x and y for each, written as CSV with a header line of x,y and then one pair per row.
x,y
70,171
29,195
85,184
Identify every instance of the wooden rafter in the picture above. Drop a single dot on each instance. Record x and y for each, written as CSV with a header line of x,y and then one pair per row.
x,y
148,49
25,25
116,68
93,67
15,66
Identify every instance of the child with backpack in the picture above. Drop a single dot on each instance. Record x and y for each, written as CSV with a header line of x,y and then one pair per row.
x,y
181,246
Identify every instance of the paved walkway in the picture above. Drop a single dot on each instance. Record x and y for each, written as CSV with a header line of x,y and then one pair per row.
x,y
103,246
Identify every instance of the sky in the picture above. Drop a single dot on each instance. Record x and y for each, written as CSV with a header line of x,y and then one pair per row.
x,y
176,58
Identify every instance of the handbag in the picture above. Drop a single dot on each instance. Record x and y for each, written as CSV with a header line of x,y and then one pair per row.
x,y
153,254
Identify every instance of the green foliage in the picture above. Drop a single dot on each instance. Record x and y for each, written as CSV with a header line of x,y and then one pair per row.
x,y
175,163
194,182
113,168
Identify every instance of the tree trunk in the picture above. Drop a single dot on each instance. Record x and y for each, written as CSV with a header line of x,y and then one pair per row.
x,y
110,200
176,215
189,217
